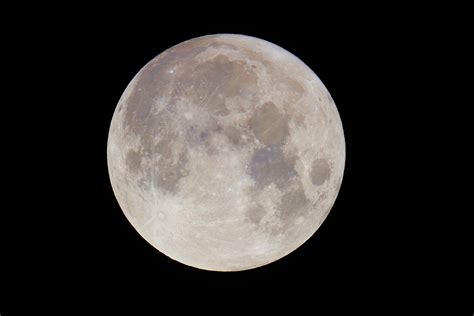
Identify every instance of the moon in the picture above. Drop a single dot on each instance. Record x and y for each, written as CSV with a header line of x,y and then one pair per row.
x,y
226,152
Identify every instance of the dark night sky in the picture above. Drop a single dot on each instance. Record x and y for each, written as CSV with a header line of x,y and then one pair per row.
x,y
68,240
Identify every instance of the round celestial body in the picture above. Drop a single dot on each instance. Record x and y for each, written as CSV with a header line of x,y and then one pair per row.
x,y
226,152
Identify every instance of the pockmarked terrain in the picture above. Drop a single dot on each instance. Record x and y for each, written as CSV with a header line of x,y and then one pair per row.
x,y
226,152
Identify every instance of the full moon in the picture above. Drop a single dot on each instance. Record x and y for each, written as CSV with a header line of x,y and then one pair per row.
x,y
226,152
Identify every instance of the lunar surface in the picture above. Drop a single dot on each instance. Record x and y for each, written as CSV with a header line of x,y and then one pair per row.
x,y
226,152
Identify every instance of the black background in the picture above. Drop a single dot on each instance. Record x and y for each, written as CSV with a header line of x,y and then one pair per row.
x,y
67,240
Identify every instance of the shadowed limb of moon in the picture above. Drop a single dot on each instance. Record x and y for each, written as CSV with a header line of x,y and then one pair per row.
x,y
226,152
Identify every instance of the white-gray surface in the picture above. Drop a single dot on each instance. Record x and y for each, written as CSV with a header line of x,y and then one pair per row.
x,y
226,152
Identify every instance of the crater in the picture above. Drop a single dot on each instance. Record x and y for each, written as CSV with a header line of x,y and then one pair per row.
x,y
269,165
320,171
269,125
198,136
120,107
